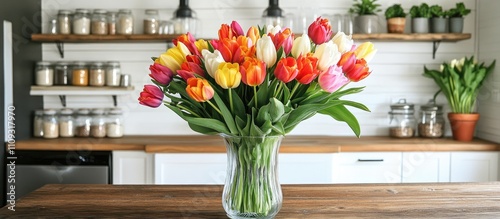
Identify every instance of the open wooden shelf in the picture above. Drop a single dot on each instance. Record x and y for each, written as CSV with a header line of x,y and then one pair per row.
x,y
102,38
79,90
416,37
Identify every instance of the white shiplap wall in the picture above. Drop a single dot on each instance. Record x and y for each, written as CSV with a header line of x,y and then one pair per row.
x,y
489,50
397,68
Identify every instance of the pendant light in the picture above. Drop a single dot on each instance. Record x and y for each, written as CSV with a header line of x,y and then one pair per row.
x,y
185,19
273,15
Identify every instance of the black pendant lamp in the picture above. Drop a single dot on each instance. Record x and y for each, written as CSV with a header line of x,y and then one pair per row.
x,y
185,19
273,15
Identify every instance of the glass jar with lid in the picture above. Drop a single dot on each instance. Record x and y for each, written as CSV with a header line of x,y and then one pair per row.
x,y
38,123
44,74
111,19
99,22
402,120
125,23
50,124
81,22
151,22
431,122
114,125
82,123
64,22
97,74
113,73
66,123
62,74
98,123
79,74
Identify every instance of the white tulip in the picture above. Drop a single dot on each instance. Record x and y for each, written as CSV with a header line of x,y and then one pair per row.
x,y
301,45
212,60
273,29
328,54
344,42
266,51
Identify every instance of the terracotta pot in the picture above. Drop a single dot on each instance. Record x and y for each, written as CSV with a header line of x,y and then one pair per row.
x,y
463,125
396,24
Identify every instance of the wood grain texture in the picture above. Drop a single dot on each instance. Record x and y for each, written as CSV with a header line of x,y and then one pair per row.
x,y
446,200
101,38
448,37
290,144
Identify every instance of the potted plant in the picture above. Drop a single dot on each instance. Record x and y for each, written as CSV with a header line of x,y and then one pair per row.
x,y
456,16
460,81
396,19
366,20
438,19
420,18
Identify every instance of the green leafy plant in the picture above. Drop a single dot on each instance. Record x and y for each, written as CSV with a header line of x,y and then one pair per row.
x,y
365,7
437,11
459,11
395,11
420,11
460,81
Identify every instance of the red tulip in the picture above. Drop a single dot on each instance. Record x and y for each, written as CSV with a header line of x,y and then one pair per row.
x,y
151,96
253,71
283,39
228,48
307,66
320,31
286,69
225,32
347,60
359,71
199,89
161,74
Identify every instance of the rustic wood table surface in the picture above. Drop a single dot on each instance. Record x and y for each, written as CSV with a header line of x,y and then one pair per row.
x,y
445,200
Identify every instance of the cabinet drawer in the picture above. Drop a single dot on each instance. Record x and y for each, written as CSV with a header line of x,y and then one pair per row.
x,y
368,167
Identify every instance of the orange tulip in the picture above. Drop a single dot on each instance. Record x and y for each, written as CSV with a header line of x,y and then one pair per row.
x,y
199,89
307,66
286,69
189,41
253,34
253,71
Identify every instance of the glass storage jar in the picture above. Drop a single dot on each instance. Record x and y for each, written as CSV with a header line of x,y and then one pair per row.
x,y
44,74
402,120
113,73
81,22
80,74
50,124
82,123
62,74
125,22
66,123
52,27
97,74
151,22
97,124
111,19
99,22
38,123
114,125
431,122
64,22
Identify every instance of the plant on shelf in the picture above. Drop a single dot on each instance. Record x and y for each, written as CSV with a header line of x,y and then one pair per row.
x,y
456,16
420,18
396,18
460,81
438,19
366,20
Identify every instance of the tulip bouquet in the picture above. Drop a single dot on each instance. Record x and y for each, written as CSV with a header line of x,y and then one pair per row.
x,y
262,83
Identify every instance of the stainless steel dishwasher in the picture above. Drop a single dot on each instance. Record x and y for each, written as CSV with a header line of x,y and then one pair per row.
x,y
37,168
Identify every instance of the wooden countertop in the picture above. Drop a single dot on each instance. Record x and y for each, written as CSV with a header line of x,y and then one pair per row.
x,y
291,144
444,200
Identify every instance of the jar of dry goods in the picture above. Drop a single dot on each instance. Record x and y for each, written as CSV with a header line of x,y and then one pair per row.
x,y
44,74
64,22
151,22
66,123
97,74
62,74
114,125
81,22
125,22
99,24
111,19
97,124
50,124
80,74
113,73
431,123
82,123
402,120
38,123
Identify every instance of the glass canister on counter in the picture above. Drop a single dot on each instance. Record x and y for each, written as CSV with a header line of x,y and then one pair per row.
x,y
113,73
99,22
97,124
62,74
81,22
38,123
97,74
79,74
402,120
431,122
66,123
82,123
151,22
50,124
125,23
64,22
114,125
44,74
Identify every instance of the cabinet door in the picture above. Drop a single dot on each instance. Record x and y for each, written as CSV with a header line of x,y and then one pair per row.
x,y
305,168
132,167
474,166
367,167
424,166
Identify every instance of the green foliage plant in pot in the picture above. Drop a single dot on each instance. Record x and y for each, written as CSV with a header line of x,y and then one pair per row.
x,y
460,81
396,19
456,15
438,19
366,19
420,15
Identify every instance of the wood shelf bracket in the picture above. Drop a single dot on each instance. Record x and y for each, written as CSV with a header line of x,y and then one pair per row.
x,y
60,48
435,46
62,98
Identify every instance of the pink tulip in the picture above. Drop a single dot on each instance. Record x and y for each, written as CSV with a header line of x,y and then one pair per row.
x,y
151,96
332,79
236,28
161,74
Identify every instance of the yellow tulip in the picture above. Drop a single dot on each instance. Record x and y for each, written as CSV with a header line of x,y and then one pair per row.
x,y
228,75
174,57
201,44
365,51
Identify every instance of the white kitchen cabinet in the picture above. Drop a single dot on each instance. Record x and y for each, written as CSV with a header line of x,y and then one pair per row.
x,y
426,167
190,168
367,167
474,166
132,167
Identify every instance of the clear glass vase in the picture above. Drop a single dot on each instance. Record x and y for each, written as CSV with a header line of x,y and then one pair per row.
x,y
252,188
